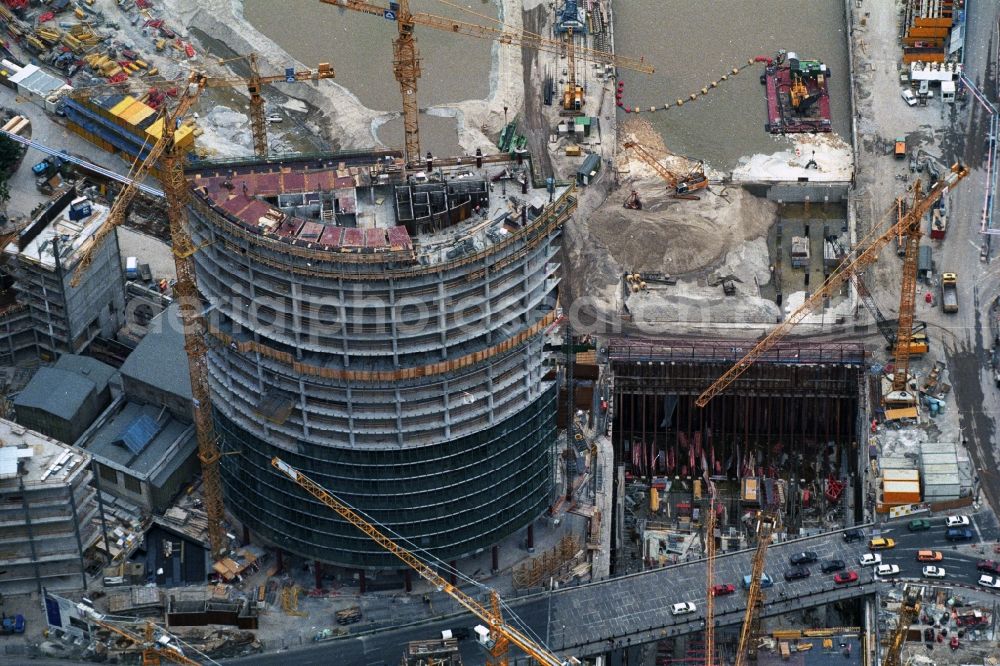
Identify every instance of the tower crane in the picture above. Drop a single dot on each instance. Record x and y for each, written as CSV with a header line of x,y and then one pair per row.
x,y
865,255
254,83
406,57
710,578
767,523
155,645
918,339
502,633
573,95
175,190
909,609
692,182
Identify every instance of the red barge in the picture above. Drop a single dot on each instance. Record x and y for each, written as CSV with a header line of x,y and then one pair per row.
x,y
798,99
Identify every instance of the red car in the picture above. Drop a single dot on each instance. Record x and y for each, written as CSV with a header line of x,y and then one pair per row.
x,y
723,590
845,577
989,566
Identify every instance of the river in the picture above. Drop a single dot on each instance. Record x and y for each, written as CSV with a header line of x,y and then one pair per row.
x,y
689,43
359,46
693,43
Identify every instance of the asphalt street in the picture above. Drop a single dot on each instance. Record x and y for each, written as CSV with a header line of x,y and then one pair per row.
x,y
613,605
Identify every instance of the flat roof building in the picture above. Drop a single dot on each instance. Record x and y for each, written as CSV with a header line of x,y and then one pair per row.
x,y
45,257
48,512
143,454
63,400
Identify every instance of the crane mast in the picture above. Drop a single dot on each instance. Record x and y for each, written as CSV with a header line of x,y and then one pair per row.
x,y
866,254
907,305
710,578
502,633
909,609
176,189
767,522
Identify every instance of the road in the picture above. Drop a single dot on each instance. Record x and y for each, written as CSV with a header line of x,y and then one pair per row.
x,y
968,340
636,608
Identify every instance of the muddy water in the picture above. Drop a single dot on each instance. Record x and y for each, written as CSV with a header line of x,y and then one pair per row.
x,y
693,43
359,47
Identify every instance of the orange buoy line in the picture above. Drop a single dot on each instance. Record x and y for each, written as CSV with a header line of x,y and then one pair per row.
x,y
620,92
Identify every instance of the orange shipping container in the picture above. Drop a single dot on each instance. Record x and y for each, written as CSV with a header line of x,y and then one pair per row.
x,y
900,492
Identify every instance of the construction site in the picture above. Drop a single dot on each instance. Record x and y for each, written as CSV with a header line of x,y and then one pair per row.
x,y
295,369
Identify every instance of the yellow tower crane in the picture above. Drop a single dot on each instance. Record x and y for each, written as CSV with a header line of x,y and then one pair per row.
x,y
908,612
865,255
254,84
175,191
406,57
767,523
153,650
258,123
573,95
710,578
502,634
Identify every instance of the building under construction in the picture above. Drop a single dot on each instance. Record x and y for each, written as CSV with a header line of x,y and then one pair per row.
x,y
797,414
382,330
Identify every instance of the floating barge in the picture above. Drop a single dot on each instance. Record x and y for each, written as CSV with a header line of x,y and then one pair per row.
x,y
798,99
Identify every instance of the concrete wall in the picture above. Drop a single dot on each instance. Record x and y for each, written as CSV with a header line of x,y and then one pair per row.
x,y
815,193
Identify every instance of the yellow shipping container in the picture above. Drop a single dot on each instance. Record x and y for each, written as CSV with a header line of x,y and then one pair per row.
x,y
80,14
654,500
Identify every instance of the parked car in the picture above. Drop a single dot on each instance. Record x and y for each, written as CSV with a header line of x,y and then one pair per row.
x,y
908,97
853,535
957,521
887,570
933,572
989,566
683,608
833,565
919,525
845,577
929,556
797,573
992,582
958,534
881,543
869,559
805,557
274,118
723,589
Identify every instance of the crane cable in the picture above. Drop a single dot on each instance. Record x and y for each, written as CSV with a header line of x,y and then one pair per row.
x,y
429,558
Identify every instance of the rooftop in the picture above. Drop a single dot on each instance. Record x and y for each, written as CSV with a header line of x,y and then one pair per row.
x,y
140,438
57,392
159,359
33,78
38,239
44,461
349,208
85,366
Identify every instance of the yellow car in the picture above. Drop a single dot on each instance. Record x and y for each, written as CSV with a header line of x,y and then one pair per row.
x,y
881,543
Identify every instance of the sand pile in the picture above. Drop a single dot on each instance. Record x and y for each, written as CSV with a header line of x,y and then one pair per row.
x,y
833,156
722,235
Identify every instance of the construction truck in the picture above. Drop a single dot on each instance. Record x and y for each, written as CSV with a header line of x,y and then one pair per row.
x,y
900,150
949,292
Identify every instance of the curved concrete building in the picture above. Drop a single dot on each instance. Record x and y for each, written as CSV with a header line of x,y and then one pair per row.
x,y
384,334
